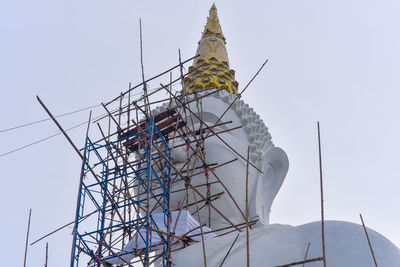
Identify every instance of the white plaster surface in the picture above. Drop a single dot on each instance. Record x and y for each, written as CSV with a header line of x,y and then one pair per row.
x,y
275,244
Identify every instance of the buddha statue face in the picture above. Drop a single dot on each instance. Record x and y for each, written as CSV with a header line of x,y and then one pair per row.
x,y
250,133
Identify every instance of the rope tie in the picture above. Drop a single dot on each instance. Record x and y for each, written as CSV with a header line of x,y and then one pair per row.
x,y
186,181
187,147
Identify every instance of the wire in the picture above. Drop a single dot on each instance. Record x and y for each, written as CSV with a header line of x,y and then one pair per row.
x,y
58,133
38,121
48,137
62,115
40,140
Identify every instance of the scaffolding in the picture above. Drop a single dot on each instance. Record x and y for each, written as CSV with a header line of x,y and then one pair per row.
x,y
128,176
120,188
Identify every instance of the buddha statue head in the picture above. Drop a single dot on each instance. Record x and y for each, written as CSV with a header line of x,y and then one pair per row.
x,y
210,88
240,130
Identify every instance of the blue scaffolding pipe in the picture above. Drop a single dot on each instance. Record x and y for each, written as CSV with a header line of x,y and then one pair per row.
x,y
90,239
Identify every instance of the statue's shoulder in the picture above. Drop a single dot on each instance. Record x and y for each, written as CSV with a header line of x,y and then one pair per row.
x,y
278,244
346,243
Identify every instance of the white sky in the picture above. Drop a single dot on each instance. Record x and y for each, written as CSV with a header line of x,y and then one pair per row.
x,y
336,62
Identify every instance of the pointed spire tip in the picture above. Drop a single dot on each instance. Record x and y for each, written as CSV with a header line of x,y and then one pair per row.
x,y
212,65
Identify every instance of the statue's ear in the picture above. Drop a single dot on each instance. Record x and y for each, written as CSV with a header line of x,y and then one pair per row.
x,y
275,165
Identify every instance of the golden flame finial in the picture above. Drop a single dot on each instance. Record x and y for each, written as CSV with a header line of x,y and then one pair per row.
x,y
211,69
213,27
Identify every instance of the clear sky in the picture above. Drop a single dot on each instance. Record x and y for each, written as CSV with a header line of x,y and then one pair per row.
x,y
332,61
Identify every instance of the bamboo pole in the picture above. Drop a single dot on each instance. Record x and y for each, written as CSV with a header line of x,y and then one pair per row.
x,y
27,237
59,126
146,97
229,250
247,208
227,228
123,180
141,53
201,231
112,117
47,254
301,262
305,255
234,230
369,241
322,197
114,181
169,241
203,154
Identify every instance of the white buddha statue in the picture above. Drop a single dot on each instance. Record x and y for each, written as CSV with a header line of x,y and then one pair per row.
x,y
270,245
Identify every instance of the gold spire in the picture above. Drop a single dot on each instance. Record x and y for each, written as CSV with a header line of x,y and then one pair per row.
x,y
211,69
